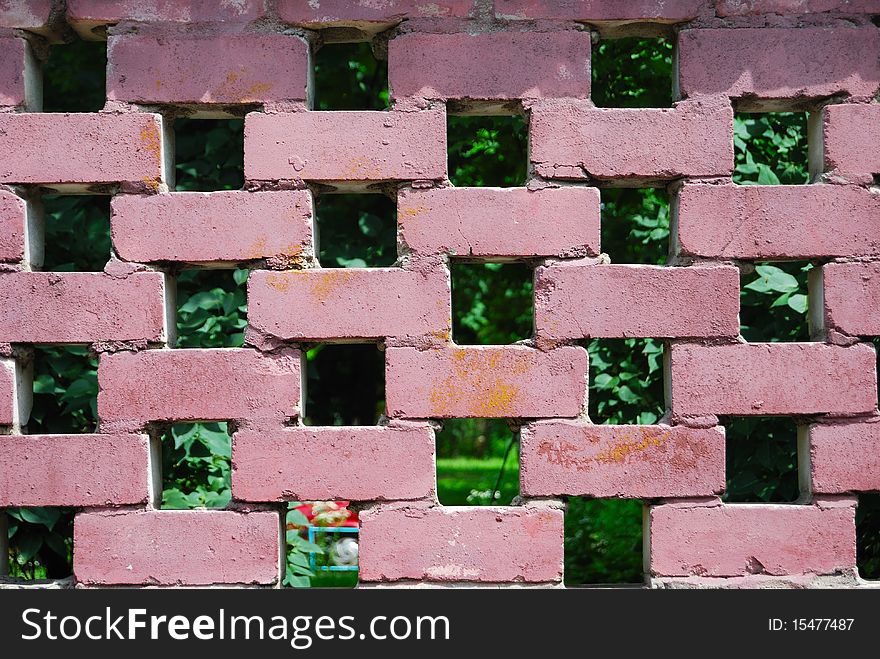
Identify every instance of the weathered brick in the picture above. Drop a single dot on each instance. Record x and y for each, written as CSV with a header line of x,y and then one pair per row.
x,y
231,225
176,547
345,146
779,64
576,140
845,141
851,297
573,458
13,215
334,463
72,151
198,385
345,12
736,540
32,15
754,7
773,378
492,545
512,65
777,221
574,301
8,392
19,74
227,68
500,221
350,303
485,382
81,307
669,11
844,457
74,470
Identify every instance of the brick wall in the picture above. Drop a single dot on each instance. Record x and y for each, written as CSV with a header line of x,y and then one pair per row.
x,y
253,59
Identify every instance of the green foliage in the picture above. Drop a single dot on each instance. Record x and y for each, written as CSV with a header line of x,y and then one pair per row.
x,y
209,154
40,542
345,385
632,73
626,383
762,459
356,230
867,535
74,77
77,233
603,541
196,466
635,225
349,77
774,303
770,148
65,391
487,151
491,303
212,308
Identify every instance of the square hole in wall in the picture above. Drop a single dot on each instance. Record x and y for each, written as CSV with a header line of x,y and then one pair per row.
x,y
770,148
635,225
868,535
492,303
626,381
75,77
762,459
322,545
196,466
209,154
211,308
348,76
774,302
603,542
356,230
65,391
76,233
487,151
477,462
40,543
345,385
632,72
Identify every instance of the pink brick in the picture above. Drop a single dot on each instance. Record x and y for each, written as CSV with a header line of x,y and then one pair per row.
x,y
738,539
773,378
85,15
345,146
753,7
231,225
353,12
75,150
25,14
575,140
767,63
668,11
461,544
579,459
74,470
12,227
512,65
849,142
500,221
228,68
81,307
778,221
350,303
485,382
334,463
176,547
574,301
198,384
845,457
16,67
851,297
8,393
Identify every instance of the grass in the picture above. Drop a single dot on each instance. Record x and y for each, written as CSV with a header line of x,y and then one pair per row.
x,y
458,478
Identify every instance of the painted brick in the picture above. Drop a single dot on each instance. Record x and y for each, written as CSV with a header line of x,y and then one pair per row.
x,y
740,539
779,63
85,15
25,14
345,146
773,378
176,547
844,457
81,307
579,459
228,68
8,392
461,544
231,225
851,297
81,149
754,7
574,301
512,65
670,11
575,140
777,221
334,463
346,12
198,384
16,67
849,136
485,382
12,227
500,221
350,303
74,470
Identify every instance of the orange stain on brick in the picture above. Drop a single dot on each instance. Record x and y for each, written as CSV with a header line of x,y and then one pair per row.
x,y
151,141
488,394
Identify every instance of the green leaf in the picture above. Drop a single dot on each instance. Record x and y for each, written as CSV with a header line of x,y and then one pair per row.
x,y
798,302
43,516
27,545
297,518
766,176
772,279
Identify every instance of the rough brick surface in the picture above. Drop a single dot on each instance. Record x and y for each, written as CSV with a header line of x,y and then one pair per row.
x,y
220,226
844,457
512,65
574,301
738,539
461,544
777,221
579,459
346,12
8,392
87,14
176,547
332,463
13,71
851,297
754,7
673,11
12,227
74,470
25,14
773,378
500,221
485,382
847,141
